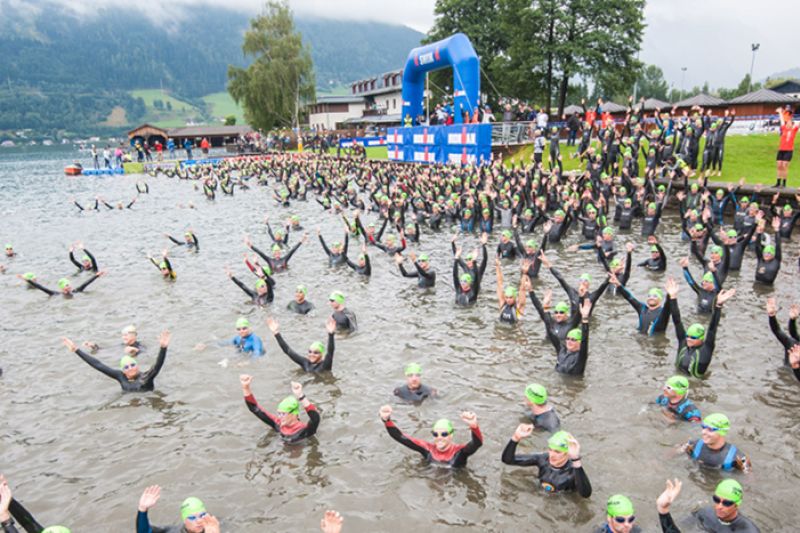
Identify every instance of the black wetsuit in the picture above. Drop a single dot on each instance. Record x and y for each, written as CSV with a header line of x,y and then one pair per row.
x,y
23,517
651,321
258,299
278,264
708,521
145,381
551,478
80,266
575,299
787,341
326,363
415,395
767,271
292,434
50,292
335,259
194,243
345,320
553,327
301,309
655,265
705,299
694,361
727,458
365,270
464,298
547,421
425,278
568,362
456,456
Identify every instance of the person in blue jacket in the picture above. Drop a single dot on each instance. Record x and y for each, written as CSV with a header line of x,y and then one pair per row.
x,y
246,341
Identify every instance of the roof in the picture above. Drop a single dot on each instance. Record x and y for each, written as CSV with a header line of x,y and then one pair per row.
x,y
764,96
652,104
611,107
147,128
345,99
209,131
787,86
570,109
375,119
701,99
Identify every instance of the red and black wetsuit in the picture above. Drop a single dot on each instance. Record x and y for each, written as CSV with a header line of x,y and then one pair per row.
x,y
290,434
455,456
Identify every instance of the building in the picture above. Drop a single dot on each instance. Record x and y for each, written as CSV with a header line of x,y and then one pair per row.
x,y
789,88
328,112
706,101
216,135
383,95
761,102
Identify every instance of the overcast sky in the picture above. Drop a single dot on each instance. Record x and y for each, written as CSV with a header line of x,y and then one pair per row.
x,y
711,38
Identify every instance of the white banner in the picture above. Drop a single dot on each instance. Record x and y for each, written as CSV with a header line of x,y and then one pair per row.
x,y
461,138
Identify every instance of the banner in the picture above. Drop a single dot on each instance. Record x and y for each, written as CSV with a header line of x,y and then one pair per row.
x,y
466,144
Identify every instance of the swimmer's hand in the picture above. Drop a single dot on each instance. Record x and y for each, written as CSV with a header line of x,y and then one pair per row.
x,y
245,381
523,431
665,499
149,498
385,413
470,418
163,339
71,346
330,523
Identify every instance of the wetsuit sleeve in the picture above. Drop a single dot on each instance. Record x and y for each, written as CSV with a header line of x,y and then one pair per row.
x,y
313,421
346,243
582,484
92,259
324,246
667,524
262,415
250,292
367,266
690,279
483,263
475,442
292,251
405,440
294,356
74,261
258,346
173,239
383,228
636,304
422,273
600,290
40,287
782,337
583,355
327,363
261,254
793,328
89,282
169,267
455,277
143,523
680,333
24,518
556,274
778,247
100,367
153,372
510,456
407,274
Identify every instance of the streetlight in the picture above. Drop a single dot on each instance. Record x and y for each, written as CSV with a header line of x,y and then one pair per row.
x,y
683,78
754,47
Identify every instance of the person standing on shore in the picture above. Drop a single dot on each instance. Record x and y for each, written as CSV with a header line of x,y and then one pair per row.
x,y
786,148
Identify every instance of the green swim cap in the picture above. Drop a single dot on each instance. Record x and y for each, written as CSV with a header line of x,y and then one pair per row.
x,y
619,505
163,264
302,288
412,368
192,506
662,188
86,258
608,230
467,212
697,331
590,209
754,205
652,205
337,296
317,347
187,234
709,277
694,187
654,248
528,211
655,291
732,233
730,489
745,200
787,207
769,249
469,257
585,277
295,218
276,247
575,335
536,394
423,258
56,529
289,405
63,283
559,441
486,211
466,278
530,243
560,213
719,422
562,307
29,276
242,322
615,262
507,234
261,283
337,244
443,424
510,292
126,360
679,384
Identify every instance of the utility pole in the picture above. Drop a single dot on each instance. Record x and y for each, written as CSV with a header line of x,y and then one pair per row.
x,y
683,78
754,47
427,99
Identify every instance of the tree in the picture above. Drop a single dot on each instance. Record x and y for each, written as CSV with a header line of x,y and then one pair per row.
x,y
743,88
169,105
281,75
230,120
651,83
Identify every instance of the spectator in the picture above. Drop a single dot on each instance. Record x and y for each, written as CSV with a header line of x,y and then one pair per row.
x,y
573,124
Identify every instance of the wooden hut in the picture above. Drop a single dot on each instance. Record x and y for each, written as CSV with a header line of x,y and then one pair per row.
x,y
761,102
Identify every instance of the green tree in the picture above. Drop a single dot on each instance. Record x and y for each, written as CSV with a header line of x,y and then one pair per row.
x,y
230,120
281,75
651,83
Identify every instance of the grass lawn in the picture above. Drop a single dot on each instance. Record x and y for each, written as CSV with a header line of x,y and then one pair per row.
x,y
748,156
177,117
220,105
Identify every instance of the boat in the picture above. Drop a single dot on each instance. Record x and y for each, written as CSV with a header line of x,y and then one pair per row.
x,y
75,169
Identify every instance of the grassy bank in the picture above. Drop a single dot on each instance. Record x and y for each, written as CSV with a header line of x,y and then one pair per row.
x,y
748,156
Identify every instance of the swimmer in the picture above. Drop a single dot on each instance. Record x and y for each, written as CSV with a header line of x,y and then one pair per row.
x,y
573,351
426,277
345,319
87,264
620,516
319,358
363,266
414,390
723,517
11,509
712,450
541,413
442,451
560,467
193,513
299,304
263,292
511,307
675,400
130,378
64,285
653,312
164,266
560,321
246,341
189,240
337,253
287,420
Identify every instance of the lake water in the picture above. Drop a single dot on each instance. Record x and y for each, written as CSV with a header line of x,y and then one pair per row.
x,y
79,452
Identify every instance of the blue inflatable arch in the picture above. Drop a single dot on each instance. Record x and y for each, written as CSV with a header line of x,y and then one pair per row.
x,y
457,52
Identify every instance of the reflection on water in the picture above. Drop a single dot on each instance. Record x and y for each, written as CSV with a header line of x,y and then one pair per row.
x,y
79,451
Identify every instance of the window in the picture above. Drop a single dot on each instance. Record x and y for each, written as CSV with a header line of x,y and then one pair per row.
x,y
394,103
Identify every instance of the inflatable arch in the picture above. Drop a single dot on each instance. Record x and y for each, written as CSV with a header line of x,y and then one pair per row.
x,y
457,52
